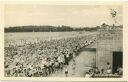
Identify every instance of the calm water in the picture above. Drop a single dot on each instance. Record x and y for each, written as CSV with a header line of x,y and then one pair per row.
x,y
20,38
41,35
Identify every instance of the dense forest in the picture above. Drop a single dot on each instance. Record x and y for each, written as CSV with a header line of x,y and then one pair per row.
x,y
47,28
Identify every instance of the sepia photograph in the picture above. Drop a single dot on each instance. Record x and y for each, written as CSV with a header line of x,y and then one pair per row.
x,y
83,41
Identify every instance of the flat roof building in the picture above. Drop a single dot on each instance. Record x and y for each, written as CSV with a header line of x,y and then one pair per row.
x,y
109,48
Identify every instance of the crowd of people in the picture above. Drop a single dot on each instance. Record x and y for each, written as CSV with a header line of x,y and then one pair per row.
x,y
96,72
43,58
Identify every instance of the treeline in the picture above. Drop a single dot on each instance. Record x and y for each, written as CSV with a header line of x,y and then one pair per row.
x,y
47,29
32,28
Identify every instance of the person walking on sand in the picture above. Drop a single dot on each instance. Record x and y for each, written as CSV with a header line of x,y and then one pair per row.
x,y
66,72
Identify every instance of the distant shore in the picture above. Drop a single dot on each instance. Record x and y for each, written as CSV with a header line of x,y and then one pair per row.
x,y
49,29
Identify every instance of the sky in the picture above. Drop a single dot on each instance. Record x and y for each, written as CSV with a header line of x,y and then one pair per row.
x,y
70,15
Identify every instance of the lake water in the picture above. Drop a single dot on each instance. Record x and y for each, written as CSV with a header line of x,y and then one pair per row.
x,y
84,60
37,36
